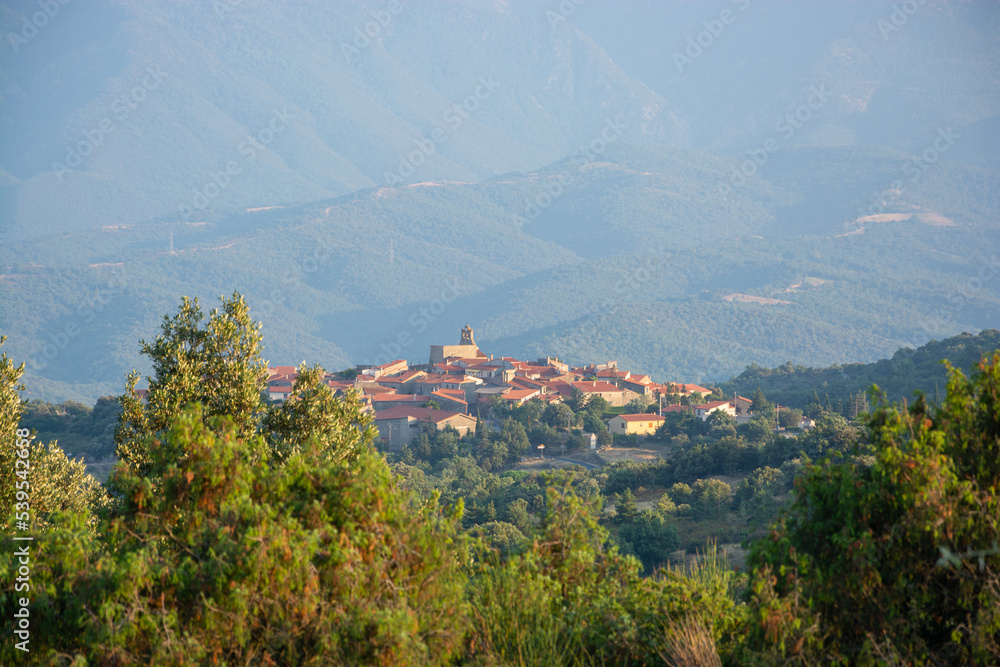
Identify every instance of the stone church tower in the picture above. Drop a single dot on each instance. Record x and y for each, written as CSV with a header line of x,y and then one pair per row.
x,y
467,338
466,348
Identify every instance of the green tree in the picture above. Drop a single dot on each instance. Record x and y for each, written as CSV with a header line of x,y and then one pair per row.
x,y
47,481
516,439
577,402
61,484
758,429
597,406
790,418
570,599
593,423
499,535
499,407
558,415
761,406
517,514
651,538
711,496
492,452
636,406
625,508
529,412
312,411
898,555
10,436
229,558
216,365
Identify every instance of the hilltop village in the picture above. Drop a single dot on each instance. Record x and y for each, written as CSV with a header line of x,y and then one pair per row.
x,y
461,384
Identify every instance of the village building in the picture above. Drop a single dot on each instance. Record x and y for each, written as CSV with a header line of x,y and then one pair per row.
x,y
615,396
386,401
705,409
390,368
453,400
643,424
402,425
742,405
466,349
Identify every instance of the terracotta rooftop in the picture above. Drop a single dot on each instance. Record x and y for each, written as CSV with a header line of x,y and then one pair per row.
x,y
423,414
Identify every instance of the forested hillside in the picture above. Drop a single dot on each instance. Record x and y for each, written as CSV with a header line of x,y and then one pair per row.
x,y
843,387
635,258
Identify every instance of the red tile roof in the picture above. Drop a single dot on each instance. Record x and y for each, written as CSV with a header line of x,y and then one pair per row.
x,y
423,414
710,405
519,394
452,395
694,388
457,393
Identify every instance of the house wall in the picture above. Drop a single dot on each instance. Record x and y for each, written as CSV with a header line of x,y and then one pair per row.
x,y
619,425
440,352
394,433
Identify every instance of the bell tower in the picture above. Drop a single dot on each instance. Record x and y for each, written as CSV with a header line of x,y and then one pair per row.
x,y
467,338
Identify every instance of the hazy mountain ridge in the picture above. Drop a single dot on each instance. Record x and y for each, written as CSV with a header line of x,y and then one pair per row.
x,y
162,98
347,117
518,166
638,259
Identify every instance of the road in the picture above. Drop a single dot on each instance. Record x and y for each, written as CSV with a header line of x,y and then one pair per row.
x,y
588,466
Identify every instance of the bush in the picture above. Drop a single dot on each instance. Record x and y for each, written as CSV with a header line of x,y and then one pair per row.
x,y
898,557
227,556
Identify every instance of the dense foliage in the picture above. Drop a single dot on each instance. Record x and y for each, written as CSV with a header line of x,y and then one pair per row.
x,y
81,429
899,556
237,532
842,387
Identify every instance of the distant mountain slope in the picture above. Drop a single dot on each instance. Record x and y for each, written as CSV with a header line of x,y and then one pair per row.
x,y
907,371
255,103
638,258
894,72
120,111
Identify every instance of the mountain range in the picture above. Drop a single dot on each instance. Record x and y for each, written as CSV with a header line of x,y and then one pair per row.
x,y
685,187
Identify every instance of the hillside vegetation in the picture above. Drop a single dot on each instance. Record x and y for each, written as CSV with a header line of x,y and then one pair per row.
x,y
235,531
637,259
842,387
